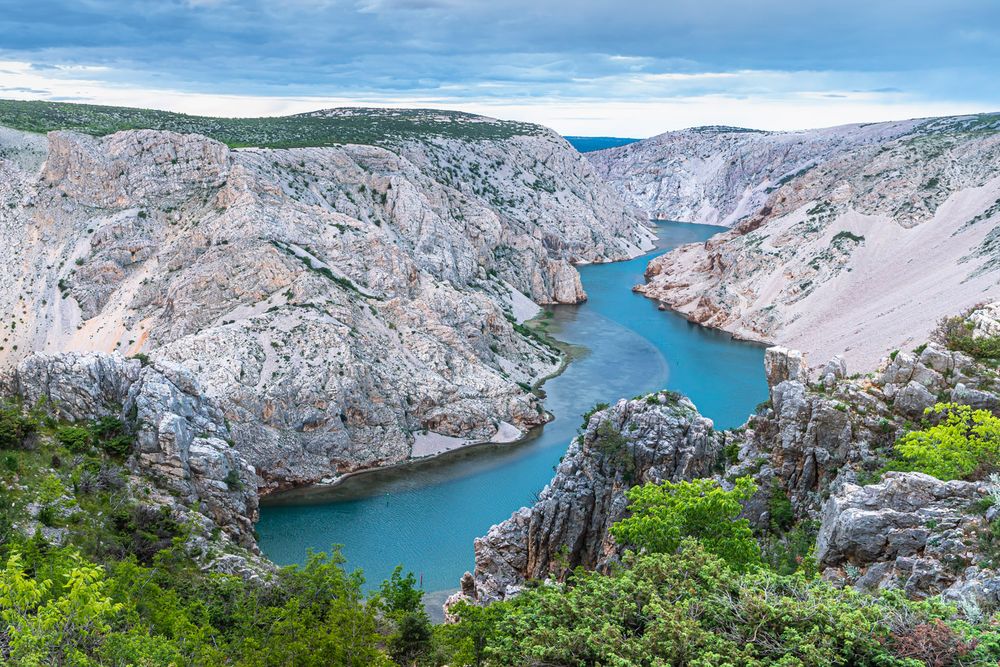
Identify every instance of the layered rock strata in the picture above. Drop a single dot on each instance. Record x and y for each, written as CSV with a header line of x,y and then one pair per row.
x,y
339,304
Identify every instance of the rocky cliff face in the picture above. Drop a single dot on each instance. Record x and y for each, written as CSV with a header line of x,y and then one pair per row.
x,y
812,443
835,232
338,304
656,439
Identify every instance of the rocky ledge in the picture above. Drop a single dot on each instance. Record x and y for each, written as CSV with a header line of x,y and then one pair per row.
x,y
812,443
184,453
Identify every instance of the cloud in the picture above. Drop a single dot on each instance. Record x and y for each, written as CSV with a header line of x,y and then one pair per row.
x,y
484,52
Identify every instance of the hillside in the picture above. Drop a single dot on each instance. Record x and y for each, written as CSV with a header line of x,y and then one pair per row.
x,y
328,127
350,306
854,239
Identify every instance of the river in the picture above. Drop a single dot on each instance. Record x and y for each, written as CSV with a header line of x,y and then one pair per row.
x,y
425,516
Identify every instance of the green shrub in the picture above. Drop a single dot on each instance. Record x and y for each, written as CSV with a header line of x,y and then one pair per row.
x,y
113,437
663,515
233,481
15,426
590,413
780,509
76,439
963,444
610,442
691,608
956,333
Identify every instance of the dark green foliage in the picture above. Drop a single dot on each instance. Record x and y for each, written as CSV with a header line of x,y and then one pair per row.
x,y
113,436
76,439
690,608
847,236
360,126
792,551
402,604
15,426
141,358
780,508
233,481
590,413
609,441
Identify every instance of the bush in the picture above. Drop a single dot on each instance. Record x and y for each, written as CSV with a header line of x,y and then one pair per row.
x,y
690,608
663,515
956,334
964,444
614,447
113,437
15,427
76,439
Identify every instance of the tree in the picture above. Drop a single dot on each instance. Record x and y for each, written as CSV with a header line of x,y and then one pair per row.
x,y
664,514
55,621
402,603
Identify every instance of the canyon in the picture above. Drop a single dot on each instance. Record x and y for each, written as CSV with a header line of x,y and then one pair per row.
x,y
834,233
347,306
290,301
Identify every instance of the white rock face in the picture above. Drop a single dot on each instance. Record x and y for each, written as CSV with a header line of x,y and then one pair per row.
x,y
852,240
333,301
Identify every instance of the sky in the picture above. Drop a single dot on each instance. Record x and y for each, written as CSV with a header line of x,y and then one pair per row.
x,y
631,68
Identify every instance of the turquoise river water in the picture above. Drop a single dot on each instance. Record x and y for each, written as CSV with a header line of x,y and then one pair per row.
x,y
426,515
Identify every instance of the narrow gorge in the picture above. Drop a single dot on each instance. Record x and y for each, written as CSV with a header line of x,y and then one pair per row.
x,y
379,328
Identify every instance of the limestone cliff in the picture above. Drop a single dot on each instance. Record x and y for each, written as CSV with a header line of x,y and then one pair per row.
x,y
835,233
339,303
812,443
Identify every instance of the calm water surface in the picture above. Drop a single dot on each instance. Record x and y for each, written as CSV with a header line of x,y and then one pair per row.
x,y
426,516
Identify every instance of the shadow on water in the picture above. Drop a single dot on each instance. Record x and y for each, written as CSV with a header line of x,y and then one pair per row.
x,y
427,514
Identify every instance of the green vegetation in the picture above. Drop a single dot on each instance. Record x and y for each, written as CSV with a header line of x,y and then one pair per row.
x,y
845,235
344,126
690,608
610,442
962,443
664,515
957,334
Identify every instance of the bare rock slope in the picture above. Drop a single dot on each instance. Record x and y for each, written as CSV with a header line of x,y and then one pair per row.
x,y
835,233
340,303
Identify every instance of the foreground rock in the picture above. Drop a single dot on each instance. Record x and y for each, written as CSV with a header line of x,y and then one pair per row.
x,y
810,444
182,441
659,439
910,531
335,302
835,233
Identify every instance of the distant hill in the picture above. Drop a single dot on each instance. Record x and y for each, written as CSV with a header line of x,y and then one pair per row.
x,y
328,127
590,144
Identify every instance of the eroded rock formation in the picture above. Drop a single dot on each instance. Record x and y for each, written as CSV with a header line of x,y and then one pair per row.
x,y
811,444
336,303
835,233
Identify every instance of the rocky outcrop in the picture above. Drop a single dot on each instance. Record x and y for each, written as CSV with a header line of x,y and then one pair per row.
x,y
835,233
911,531
333,302
183,444
659,438
810,443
